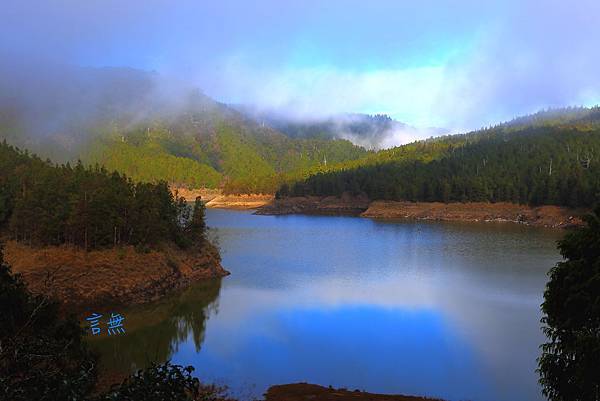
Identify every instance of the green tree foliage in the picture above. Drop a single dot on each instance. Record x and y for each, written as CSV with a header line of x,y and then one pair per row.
x,y
570,359
44,204
216,148
161,382
192,142
43,356
195,228
149,162
539,162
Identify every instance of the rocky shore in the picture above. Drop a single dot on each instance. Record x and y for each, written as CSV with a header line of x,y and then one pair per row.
x,y
541,216
190,195
331,205
215,198
309,392
251,201
119,276
348,205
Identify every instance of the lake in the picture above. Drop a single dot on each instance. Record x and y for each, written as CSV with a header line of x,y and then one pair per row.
x,y
447,310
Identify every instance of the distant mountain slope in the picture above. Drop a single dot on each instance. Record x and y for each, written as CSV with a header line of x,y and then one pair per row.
x,y
377,131
551,157
220,146
133,122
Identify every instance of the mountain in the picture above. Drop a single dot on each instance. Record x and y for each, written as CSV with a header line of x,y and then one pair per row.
x,y
377,131
549,157
139,124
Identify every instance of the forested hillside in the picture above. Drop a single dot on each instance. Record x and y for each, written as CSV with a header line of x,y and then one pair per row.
x,y
548,158
45,204
138,124
216,148
376,131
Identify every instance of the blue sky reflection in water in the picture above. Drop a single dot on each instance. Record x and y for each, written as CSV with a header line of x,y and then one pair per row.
x,y
445,310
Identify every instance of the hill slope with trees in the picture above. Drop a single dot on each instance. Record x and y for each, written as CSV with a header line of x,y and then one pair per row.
x,y
88,207
216,148
151,129
91,237
547,158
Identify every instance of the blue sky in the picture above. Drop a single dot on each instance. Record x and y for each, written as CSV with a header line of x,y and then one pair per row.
x,y
457,64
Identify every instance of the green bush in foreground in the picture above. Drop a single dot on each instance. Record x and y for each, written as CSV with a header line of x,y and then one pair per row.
x,y
163,382
570,363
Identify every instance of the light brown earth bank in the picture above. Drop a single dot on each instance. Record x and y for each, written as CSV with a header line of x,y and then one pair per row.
x,y
215,198
118,276
331,205
312,392
541,216
251,201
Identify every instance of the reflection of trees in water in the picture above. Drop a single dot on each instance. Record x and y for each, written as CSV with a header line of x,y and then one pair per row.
x,y
154,332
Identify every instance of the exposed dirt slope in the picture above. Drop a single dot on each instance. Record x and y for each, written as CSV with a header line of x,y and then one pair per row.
x,y
110,277
544,216
331,205
251,201
215,198
312,392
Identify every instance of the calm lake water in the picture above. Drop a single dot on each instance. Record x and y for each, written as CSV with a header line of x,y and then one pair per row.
x,y
446,310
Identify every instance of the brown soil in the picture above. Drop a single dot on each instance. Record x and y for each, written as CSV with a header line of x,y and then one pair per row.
x,y
215,198
251,201
331,205
110,277
312,392
190,195
542,216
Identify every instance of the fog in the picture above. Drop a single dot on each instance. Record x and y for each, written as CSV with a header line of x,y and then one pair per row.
x,y
456,65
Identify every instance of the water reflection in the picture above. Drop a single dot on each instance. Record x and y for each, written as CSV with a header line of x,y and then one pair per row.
x,y
446,310
155,332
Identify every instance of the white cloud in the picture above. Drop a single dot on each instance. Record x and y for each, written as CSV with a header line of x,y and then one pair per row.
x,y
407,94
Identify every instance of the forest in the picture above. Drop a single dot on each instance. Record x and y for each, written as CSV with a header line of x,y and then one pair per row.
x,y
237,156
547,158
120,118
45,204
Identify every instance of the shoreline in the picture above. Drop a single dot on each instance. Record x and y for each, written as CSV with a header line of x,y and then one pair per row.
x,y
307,392
110,277
547,216
539,216
216,199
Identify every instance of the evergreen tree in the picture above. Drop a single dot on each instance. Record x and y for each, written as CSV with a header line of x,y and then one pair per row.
x,y
44,204
569,365
196,226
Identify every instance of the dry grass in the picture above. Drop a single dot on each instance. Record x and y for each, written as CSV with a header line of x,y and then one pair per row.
x,y
112,276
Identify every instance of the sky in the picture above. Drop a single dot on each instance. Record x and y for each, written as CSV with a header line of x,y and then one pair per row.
x,y
455,64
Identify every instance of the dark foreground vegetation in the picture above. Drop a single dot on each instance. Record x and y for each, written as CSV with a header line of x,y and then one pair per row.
x,y
43,356
570,363
88,207
550,158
